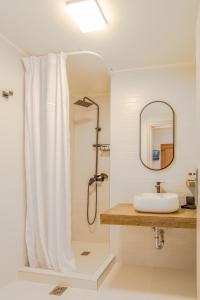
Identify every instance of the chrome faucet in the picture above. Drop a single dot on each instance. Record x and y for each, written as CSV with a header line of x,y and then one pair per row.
x,y
158,186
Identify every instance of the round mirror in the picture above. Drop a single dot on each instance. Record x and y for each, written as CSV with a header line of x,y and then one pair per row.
x,y
157,135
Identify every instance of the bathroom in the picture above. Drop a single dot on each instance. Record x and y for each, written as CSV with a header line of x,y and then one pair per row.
x,y
95,159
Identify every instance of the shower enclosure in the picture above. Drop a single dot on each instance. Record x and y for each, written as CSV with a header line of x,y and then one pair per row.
x,y
87,102
89,85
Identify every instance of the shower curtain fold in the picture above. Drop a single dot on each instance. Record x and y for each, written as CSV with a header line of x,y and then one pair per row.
x,y
47,161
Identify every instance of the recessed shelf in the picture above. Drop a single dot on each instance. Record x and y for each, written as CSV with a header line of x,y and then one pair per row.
x,y
125,214
102,147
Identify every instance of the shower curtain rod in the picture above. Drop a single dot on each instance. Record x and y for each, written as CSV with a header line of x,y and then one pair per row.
x,y
88,52
81,52
72,53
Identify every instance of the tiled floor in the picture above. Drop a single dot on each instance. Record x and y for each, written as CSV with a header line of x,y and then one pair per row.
x,y
123,283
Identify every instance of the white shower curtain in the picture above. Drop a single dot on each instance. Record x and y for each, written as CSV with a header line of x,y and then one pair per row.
x,y
47,159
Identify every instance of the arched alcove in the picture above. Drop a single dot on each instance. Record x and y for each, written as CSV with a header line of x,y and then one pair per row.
x,y
87,74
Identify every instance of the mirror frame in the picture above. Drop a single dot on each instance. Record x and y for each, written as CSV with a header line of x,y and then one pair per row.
x,y
173,113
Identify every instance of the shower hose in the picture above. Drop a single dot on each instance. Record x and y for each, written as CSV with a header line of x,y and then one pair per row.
x,y
91,222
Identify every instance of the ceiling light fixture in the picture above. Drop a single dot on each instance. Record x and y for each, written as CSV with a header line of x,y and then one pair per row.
x,y
87,14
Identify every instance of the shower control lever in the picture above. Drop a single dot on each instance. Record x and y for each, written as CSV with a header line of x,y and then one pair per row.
x,y
101,177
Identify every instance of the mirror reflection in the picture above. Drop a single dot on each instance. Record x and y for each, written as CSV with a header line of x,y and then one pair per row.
x,y
157,135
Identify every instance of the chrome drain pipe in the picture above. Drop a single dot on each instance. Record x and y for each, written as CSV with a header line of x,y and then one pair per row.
x,y
159,238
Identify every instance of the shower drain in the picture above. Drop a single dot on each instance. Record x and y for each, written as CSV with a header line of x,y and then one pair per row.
x,y
58,291
85,253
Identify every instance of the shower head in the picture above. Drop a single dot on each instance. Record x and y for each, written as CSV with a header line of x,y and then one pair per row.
x,y
83,103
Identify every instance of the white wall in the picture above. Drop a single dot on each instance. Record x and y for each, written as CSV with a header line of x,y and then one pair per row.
x,y
11,165
130,91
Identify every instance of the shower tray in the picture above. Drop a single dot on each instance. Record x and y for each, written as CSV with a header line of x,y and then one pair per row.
x,y
91,268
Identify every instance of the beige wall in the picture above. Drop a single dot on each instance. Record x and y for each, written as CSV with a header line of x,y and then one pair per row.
x,y
11,165
83,123
198,144
130,91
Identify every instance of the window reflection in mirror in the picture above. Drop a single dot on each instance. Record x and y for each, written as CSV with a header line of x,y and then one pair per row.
x,y
157,135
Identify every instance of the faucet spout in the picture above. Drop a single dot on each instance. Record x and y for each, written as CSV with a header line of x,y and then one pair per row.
x,y
158,186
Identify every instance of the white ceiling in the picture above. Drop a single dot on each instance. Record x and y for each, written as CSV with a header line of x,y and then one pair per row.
x,y
140,32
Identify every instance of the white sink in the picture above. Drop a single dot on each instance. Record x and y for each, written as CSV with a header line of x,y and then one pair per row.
x,y
156,202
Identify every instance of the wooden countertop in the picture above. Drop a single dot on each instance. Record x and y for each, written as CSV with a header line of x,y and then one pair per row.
x,y
125,214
